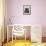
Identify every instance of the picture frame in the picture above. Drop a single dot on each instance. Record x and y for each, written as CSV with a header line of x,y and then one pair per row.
x,y
26,9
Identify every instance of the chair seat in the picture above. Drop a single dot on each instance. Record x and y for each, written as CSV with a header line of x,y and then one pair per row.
x,y
18,33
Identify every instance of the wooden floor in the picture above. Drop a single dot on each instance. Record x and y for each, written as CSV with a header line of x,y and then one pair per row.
x,y
18,43
25,43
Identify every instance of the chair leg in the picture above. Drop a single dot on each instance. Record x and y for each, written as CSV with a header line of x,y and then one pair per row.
x,y
25,36
15,38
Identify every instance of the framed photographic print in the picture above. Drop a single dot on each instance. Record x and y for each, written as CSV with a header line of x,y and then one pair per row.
x,y
27,9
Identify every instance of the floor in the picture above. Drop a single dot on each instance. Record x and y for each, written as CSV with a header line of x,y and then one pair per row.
x,y
23,43
18,43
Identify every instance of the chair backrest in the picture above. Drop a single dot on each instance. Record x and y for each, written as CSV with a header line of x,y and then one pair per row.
x,y
18,30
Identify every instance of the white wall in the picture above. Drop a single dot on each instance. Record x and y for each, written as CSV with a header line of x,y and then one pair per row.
x,y
38,12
